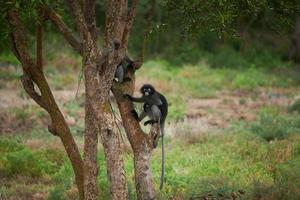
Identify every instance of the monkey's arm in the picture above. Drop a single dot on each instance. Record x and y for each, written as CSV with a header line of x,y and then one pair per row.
x,y
134,99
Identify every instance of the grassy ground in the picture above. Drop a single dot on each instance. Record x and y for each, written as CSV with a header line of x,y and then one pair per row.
x,y
231,133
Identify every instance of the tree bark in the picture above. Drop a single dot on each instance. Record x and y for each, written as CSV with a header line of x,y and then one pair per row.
x,y
90,153
143,175
110,138
141,143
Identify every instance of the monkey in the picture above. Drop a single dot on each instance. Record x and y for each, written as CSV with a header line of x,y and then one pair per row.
x,y
156,108
122,70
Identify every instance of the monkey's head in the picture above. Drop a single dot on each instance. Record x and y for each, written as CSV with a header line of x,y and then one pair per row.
x,y
147,90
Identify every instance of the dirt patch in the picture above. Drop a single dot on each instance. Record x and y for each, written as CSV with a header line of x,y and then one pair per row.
x,y
230,106
18,98
10,123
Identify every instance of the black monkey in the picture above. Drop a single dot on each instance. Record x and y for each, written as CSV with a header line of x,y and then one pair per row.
x,y
156,108
122,70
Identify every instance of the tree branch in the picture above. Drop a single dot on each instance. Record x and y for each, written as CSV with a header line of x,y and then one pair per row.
x,y
89,15
76,11
64,29
149,17
29,88
39,46
129,23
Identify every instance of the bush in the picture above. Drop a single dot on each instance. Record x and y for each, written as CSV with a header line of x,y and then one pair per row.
x,y
227,57
295,107
8,145
16,159
22,162
63,181
250,79
271,125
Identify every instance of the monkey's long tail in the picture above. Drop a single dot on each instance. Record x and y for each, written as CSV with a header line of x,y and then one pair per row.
x,y
162,156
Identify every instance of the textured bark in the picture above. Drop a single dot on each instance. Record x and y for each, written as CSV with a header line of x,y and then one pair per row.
x,y
33,74
90,153
141,143
110,138
97,90
143,176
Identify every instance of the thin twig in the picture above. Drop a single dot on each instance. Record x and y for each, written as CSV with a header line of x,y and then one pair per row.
x,y
112,110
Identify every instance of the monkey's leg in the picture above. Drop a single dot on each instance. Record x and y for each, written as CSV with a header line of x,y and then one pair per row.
x,y
142,116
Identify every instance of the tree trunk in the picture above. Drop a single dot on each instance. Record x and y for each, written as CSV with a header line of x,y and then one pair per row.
x,y
110,138
90,153
143,176
141,143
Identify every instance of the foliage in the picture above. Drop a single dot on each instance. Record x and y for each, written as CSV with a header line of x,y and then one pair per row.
x,y
224,17
250,79
271,125
295,106
25,162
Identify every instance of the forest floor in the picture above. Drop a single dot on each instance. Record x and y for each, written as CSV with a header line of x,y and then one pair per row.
x,y
230,135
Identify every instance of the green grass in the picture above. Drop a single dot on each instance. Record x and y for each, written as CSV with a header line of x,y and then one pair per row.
x,y
202,81
295,106
222,164
260,158
273,125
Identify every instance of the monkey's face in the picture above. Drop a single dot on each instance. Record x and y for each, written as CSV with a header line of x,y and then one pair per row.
x,y
147,90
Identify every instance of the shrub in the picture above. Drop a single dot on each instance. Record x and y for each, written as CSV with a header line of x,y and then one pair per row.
x,y
295,107
63,181
16,159
22,162
8,145
271,125
250,79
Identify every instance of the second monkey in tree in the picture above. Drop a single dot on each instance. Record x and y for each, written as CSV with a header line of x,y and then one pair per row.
x,y
122,70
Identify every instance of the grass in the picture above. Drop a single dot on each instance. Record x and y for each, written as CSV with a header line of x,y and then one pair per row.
x,y
222,164
248,160
272,125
